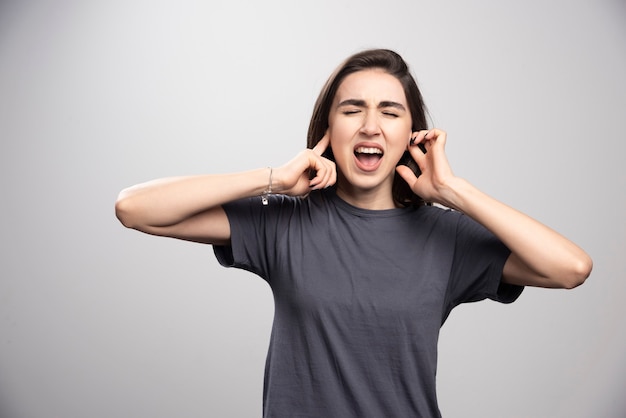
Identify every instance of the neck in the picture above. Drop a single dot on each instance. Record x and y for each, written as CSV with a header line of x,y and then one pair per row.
x,y
373,199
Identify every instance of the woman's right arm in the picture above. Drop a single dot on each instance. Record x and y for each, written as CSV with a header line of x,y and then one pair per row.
x,y
190,208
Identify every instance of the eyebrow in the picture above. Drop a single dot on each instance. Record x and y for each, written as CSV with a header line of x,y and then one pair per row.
x,y
361,103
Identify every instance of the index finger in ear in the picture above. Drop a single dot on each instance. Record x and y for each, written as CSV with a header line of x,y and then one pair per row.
x,y
419,143
321,146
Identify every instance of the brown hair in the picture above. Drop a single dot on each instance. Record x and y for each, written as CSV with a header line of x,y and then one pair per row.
x,y
392,63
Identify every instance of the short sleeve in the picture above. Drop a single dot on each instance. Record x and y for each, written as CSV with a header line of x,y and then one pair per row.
x,y
253,229
478,262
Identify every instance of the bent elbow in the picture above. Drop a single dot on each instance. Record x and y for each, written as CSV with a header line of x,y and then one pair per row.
x,y
579,274
123,210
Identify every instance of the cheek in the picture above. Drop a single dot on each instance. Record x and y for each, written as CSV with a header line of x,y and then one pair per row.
x,y
342,128
399,135
339,136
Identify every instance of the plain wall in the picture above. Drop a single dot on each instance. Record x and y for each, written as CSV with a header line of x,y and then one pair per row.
x,y
99,321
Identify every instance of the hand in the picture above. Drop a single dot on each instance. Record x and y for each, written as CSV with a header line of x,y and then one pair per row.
x,y
294,179
437,175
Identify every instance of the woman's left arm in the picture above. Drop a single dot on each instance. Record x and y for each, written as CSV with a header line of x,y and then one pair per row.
x,y
539,256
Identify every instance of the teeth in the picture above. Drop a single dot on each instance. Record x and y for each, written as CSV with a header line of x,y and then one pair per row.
x,y
367,150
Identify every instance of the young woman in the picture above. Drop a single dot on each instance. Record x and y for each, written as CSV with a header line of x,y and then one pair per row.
x,y
362,270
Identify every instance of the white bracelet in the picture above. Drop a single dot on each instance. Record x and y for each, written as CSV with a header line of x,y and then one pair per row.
x,y
268,191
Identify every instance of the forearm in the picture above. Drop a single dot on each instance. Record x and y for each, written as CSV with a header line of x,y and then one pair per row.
x,y
169,201
544,256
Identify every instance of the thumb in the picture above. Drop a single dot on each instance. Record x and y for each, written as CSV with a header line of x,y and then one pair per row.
x,y
407,174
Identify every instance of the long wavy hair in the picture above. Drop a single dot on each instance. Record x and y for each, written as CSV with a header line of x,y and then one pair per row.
x,y
393,64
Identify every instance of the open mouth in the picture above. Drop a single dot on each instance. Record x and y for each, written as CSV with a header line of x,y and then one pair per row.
x,y
368,157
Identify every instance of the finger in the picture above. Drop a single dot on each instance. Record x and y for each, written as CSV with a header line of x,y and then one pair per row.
x,y
328,175
416,146
316,172
321,146
407,174
418,140
437,136
331,174
319,168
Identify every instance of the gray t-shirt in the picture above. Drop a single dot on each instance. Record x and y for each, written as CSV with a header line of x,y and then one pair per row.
x,y
360,296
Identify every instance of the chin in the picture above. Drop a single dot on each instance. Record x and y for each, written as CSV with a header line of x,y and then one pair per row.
x,y
369,181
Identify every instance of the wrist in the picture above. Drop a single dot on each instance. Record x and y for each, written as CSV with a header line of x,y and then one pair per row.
x,y
455,193
268,189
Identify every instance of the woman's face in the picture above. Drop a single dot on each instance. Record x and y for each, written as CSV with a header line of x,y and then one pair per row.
x,y
369,128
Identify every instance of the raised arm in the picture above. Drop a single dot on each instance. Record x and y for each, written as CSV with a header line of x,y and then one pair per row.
x,y
539,255
190,208
187,208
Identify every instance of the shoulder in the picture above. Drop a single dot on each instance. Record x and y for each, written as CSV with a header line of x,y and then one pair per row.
x,y
436,215
256,204
280,212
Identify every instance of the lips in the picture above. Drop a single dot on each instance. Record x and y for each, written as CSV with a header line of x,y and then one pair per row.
x,y
368,156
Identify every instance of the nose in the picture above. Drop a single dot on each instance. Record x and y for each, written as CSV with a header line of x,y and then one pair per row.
x,y
370,126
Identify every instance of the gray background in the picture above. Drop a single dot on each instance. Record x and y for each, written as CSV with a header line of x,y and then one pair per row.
x,y
100,321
